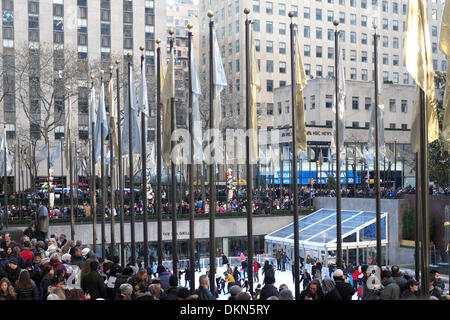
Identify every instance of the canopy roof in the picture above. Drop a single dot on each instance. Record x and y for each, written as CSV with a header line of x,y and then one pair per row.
x,y
318,229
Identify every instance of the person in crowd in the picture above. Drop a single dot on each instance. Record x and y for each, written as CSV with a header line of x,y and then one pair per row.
x,y
305,278
342,283
7,291
269,289
203,290
412,292
121,279
234,291
330,292
286,294
391,290
312,292
93,283
25,287
399,278
163,276
267,270
13,270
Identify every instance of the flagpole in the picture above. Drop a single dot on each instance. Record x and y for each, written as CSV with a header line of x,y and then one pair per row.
x,y
112,165
144,166
212,171
102,170
377,151
173,175
294,160
93,180
395,164
191,167
5,181
417,235
62,177
121,186
424,185
338,164
19,176
355,173
69,145
158,152
130,156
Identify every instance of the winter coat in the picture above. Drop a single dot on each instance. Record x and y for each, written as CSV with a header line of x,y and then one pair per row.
x,y
164,278
267,270
332,295
93,283
224,260
345,289
56,264
409,295
204,294
401,281
30,293
78,261
121,279
391,290
268,291
13,275
46,281
317,296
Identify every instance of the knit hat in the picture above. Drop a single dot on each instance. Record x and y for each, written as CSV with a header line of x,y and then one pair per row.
x,y
66,257
13,261
85,251
126,288
286,294
338,274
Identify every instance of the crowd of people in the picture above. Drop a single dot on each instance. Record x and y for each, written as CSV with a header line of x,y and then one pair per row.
x,y
61,269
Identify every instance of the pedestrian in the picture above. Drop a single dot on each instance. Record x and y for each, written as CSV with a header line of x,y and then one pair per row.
x,y
343,285
203,291
163,276
391,290
125,291
269,289
13,270
26,289
305,278
7,291
355,277
267,270
234,291
412,292
312,292
121,279
224,259
278,257
330,292
399,278
197,260
93,283
286,294
256,267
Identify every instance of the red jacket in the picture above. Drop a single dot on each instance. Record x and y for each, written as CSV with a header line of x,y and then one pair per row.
x,y
56,264
27,255
255,266
355,274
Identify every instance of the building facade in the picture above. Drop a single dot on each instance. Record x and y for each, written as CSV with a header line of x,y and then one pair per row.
x,y
89,35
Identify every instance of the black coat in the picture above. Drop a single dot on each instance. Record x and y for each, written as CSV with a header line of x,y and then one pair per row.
x,y
93,283
30,293
46,281
204,294
268,291
345,289
332,295
13,274
224,260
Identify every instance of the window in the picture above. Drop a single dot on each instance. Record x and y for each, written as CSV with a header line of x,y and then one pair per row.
x,y
307,50
364,4
313,102
318,33
384,6
330,71
353,19
355,103
280,108
367,103
341,17
364,75
319,70
238,46
395,60
282,83
270,108
269,7
405,78
385,76
282,9
282,28
395,77
306,12
269,46
434,47
363,56
318,52
385,59
355,124
363,38
282,47
385,24
352,55
257,45
307,69
238,65
256,25
319,14
330,34
329,123
404,107
363,21
255,5
33,21
395,7
269,86
269,66
287,107
385,41
329,101
294,9
434,31
282,67
353,73
392,107
392,125
330,53
306,32
395,42
352,37
404,126
269,27
330,16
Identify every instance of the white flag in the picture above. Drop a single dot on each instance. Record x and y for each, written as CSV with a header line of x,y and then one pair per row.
x,y
135,132
92,111
43,154
55,155
143,97
197,123
101,122
2,152
219,81
341,106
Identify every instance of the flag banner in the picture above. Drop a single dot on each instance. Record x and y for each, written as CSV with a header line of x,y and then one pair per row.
x,y
152,166
255,87
67,137
219,81
135,132
43,154
4,148
92,111
113,118
101,122
143,94
419,63
197,123
444,46
300,82
55,155
341,105
168,92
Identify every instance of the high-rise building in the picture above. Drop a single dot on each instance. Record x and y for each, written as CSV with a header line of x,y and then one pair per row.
x,y
77,36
